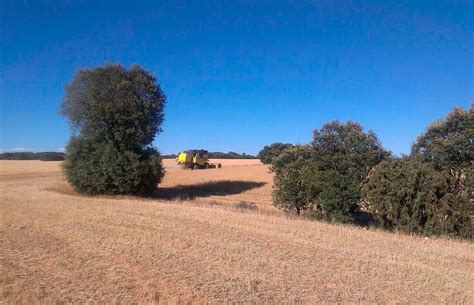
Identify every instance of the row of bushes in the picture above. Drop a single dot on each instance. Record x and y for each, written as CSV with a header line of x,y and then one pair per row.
x,y
43,156
346,170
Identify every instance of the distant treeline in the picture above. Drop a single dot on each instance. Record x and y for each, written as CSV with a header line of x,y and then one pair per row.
x,y
229,155
59,156
219,155
43,156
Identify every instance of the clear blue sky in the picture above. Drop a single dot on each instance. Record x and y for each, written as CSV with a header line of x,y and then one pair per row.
x,y
242,74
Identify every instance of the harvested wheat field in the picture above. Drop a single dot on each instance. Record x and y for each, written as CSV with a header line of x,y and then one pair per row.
x,y
195,241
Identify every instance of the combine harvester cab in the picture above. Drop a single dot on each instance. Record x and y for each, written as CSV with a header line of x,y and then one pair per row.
x,y
196,159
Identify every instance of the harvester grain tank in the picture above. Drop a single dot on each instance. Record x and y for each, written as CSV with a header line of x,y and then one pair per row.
x,y
196,159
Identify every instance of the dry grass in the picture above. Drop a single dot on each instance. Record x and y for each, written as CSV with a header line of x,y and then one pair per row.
x,y
60,247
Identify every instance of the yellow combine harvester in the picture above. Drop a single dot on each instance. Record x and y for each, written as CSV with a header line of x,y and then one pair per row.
x,y
196,159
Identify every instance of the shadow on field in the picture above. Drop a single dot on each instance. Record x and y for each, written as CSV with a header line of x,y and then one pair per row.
x,y
216,188
363,219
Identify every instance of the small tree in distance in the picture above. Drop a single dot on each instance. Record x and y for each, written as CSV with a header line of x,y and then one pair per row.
x,y
115,114
269,152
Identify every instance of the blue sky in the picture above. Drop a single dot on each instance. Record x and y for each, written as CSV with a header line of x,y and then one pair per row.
x,y
242,74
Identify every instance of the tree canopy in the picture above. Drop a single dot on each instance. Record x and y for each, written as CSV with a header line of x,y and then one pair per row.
x,y
449,142
348,147
410,195
430,191
269,152
325,177
115,114
116,105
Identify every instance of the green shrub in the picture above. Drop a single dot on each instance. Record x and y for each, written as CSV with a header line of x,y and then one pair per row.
x,y
338,196
269,152
292,182
346,154
325,178
412,196
100,168
115,113
304,183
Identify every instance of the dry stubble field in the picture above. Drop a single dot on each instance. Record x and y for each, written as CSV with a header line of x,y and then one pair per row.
x,y
192,243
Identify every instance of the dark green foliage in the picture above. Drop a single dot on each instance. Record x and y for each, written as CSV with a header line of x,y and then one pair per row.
x,y
229,155
172,156
468,172
338,196
218,155
449,142
413,196
429,192
116,105
347,149
325,178
100,168
115,114
51,156
345,155
18,156
293,179
269,152
43,156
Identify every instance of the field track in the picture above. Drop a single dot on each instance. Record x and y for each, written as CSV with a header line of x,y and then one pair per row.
x,y
193,242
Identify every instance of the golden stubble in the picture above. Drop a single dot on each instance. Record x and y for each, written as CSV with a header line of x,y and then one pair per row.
x,y
194,243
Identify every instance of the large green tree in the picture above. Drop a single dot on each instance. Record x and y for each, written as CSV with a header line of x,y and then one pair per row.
x,y
115,114
431,191
449,145
348,148
326,177
449,142
345,153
